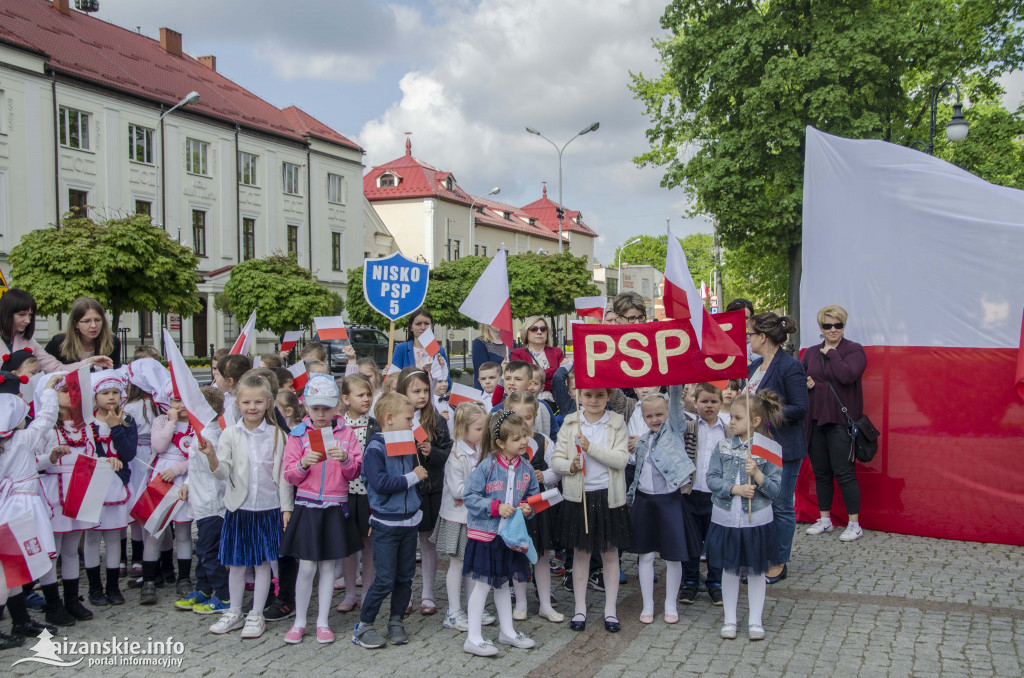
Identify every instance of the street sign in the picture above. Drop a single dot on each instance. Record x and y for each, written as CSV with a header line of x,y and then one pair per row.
x,y
174,321
713,310
714,300
394,286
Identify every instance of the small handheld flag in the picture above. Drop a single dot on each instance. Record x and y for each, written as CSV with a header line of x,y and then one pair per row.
x,y
489,301
244,340
155,505
429,342
320,439
80,393
299,376
399,443
87,488
419,433
330,327
461,393
766,448
531,445
186,388
22,558
545,500
591,307
290,339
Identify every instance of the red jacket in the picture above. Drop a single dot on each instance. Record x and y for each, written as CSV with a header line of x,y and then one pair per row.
x,y
553,354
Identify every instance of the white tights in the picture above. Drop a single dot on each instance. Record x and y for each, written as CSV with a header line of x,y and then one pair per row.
x,y
325,590
236,587
580,574
455,581
91,548
66,546
673,578
757,587
475,611
428,562
542,577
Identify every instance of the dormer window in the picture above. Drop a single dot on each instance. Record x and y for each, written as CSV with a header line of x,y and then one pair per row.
x,y
449,183
387,180
508,215
579,219
533,221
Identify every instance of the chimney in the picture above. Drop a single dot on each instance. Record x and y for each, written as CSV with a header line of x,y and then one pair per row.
x,y
63,6
209,61
170,40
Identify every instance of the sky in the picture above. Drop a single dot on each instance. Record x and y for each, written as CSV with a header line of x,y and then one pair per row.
x,y
465,77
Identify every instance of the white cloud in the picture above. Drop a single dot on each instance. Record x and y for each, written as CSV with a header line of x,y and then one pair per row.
x,y
1013,83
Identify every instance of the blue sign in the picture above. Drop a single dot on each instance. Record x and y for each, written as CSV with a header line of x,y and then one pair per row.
x,y
394,286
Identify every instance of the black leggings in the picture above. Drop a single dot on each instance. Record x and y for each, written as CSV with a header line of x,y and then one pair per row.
x,y
829,450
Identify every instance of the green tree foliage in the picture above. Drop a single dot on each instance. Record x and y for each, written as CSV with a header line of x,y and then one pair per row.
x,y
653,250
285,295
126,263
743,80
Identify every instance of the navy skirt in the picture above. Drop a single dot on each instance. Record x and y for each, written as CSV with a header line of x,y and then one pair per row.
x,y
360,505
542,529
430,504
494,563
320,534
662,524
250,538
608,527
742,550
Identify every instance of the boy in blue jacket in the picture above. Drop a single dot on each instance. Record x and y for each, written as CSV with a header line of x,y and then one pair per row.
x,y
395,512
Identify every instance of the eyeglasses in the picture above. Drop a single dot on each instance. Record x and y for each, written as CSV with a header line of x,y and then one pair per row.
x,y
752,334
633,319
538,328
93,321
829,326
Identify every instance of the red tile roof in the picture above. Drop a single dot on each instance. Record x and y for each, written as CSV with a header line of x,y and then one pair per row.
x,y
415,179
546,212
86,48
493,215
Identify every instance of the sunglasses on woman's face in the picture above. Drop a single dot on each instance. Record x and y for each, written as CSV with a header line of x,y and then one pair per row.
x,y
538,328
829,326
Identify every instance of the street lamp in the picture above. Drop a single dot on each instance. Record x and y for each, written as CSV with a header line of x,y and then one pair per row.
x,y
618,265
956,128
190,98
472,216
561,211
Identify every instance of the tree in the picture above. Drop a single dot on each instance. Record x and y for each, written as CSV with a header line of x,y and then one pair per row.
x,y
652,251
742,81
285,295
127,264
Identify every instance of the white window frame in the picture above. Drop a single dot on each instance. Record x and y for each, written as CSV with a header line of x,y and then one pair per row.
x,y
3,104
65,113
148,152
247,162
291,185
335,189
203,148
392,176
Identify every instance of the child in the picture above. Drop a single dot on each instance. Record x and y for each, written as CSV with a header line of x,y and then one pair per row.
x,y
116,438
290,408
542,527
544,421
249,457
488,375
230,369
496,489
661,524
731,391
205,496
285,380
742,539
313,350
271,361
449,535
395,507
690,401
516,377
356,394
711,429
23,363
147,351
591,455
321,529
317,367
414,383
636,427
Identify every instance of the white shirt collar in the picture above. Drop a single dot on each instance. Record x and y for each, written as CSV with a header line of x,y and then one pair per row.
x,y
259,429
603,420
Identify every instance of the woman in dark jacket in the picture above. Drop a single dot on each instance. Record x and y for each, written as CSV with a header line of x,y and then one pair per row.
x,y
88,335
838,362
775,370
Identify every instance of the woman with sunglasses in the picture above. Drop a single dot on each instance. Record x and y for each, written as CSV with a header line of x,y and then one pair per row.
x,y
538,348
838,362
88,337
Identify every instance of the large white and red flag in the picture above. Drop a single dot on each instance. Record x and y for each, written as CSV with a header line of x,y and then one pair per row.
x,y
682,302
1018,382
186,388
22,558
155,505
290,339
330,327
299,376
244,341
591,307
489,301
86,488
79,385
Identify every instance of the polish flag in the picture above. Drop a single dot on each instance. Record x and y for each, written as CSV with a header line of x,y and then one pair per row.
x,y
531,445
22,558
591,307
439,370
582,457
1019,381
466,394
186,388
703,291
545,500
489,301
766,448
399,443
721,384
79,385
244,341
290,339
320,439
419,433
257,361
87,488
156,505
330,327
682,302
299,376
429,342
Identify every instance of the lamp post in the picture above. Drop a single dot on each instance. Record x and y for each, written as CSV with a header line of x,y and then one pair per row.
x,y
561,211
618,264
956,128
472,216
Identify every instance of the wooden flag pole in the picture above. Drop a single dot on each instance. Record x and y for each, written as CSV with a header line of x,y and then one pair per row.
x,y
579,434
750,455
391,343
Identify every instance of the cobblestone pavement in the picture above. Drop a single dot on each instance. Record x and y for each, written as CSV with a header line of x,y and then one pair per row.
x,y
887,605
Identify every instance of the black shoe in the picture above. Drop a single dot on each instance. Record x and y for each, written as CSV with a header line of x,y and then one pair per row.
x,y
10,642
114,596
596,581
96,595
780,577
59,616
73,603
158,580
134,582
98,598
715,593
277,609
688,593
567,580
32,628
578,625
611,624
148,594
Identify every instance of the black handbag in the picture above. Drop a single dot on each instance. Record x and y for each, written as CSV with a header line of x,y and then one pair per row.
x,y
863,434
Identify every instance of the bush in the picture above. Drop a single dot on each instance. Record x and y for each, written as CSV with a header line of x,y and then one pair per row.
x,y
456,372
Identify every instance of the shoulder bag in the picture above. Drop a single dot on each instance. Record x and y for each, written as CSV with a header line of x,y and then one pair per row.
x,y
863,434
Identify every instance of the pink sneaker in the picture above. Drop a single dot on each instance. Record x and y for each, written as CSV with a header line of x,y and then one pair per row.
x,y
295,633
324,635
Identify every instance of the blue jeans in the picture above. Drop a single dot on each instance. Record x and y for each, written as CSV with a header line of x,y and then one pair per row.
x,y
211,576
784,509
394,559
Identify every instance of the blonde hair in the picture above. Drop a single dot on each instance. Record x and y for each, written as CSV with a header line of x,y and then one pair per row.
x,y
271,360
214,398
652,398
353,381
766,405
524,332
390,403
313,350
837,312
254,380
72,346
522,398
147,351
489,334
466,414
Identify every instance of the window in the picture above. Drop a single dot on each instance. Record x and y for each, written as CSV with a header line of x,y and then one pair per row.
x,y
78,202
291,179
336,251
144,207
74,128
293,240
246,169
145,324
480,250
3,130
196,154
336,189
140,144
449,183
613,287
199,232
645,287
386,181
454,249
508,215
248,238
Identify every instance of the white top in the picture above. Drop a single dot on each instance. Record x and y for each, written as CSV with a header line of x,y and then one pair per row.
x,y
540,358
360,427
596,477
708,438
510,491
755,380
737,517
18,457
651,481
205,492
144,417
259,445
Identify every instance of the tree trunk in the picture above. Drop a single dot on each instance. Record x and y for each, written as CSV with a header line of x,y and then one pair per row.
x,y
795,271
115,319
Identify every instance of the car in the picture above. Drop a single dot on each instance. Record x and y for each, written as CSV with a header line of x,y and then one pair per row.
x,y
368,341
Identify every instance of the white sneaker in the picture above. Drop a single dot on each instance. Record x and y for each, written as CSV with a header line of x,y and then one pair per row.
x,y
519,640
755,632
823,525
228,622
851,532
487,619
254,626
728,631
482,649
456,619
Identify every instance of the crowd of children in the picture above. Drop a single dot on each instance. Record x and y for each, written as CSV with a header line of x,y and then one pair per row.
x,y
294,487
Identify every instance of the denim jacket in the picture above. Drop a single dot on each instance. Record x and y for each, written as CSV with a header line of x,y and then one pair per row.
x,y
729,458
485,491
667,451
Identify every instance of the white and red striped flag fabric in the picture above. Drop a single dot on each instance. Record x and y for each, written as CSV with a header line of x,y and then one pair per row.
x,y
399,443
79,385
290,339
545,499
419,433
330,327
489,301
531,445
591,307
155,506
320,439
682,302
299,376
766,448
429,342
244,340
22,558
461,393
86,488
186,388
